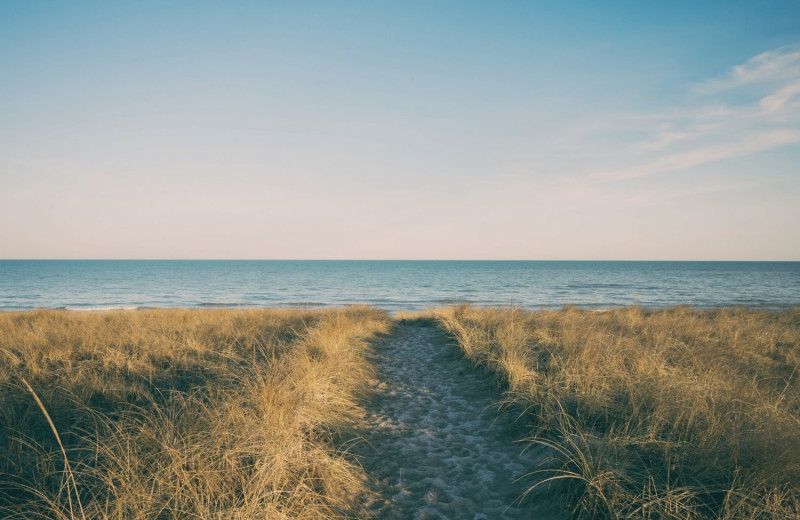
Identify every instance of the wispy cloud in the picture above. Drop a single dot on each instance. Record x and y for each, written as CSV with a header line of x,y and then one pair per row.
x,y
775,65
784,102
705,154
723,122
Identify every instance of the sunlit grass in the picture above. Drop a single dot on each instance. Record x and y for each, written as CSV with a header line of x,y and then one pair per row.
x,y
169,414
673,413
236,414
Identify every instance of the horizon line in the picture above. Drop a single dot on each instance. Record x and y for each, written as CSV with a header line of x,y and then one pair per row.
x,y
370,260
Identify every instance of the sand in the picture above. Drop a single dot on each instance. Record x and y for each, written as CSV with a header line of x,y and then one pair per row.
x,y
434,444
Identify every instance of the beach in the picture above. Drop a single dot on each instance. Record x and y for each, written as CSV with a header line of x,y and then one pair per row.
x,y
453,412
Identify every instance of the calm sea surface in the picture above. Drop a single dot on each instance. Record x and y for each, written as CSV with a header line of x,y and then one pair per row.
x,y
392,285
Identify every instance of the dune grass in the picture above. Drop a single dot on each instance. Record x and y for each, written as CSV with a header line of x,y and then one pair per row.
x,y
169,414
675,413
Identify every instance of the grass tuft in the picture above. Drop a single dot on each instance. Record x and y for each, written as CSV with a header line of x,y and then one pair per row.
x,y
169,414
674,413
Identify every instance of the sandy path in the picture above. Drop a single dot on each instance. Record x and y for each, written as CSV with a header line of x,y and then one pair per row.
x,y
433,441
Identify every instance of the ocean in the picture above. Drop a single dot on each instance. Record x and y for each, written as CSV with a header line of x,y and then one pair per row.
x,y
392,285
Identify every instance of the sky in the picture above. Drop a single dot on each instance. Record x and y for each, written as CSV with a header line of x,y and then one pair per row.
x,y
400,130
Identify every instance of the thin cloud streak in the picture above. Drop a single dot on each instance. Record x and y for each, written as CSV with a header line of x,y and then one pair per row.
x,y
775,65
678,161
714,131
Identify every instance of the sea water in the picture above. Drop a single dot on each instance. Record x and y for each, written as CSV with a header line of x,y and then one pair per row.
x,y
393,285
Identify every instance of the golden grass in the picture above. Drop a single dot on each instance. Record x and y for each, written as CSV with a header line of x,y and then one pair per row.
x,y
675,413
171,414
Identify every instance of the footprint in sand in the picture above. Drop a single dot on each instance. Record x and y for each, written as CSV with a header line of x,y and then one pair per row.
x,y
434,443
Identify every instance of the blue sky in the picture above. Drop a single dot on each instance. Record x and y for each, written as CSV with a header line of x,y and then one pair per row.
x,y
504,130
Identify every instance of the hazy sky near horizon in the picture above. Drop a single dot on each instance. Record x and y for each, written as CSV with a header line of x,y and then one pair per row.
x,y
430,130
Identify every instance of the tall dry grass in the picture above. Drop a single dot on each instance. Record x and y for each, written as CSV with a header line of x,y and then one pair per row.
x,y
170,414
674,413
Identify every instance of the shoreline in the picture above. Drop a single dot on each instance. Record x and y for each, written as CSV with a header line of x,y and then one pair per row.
x,y
398,310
